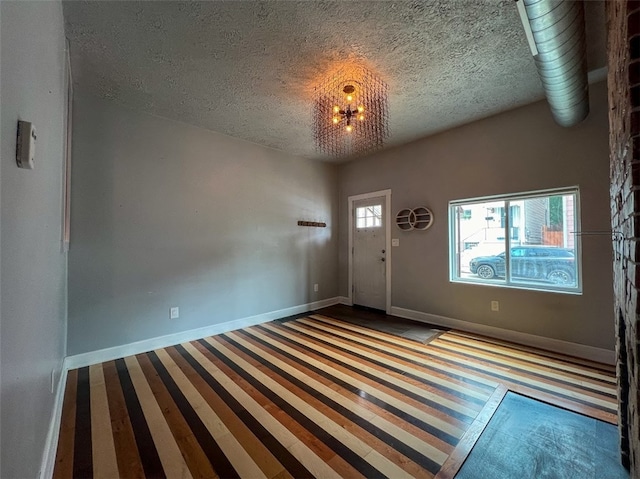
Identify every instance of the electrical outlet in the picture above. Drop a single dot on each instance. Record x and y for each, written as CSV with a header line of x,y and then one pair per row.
x,y
495,306
315,287
174,313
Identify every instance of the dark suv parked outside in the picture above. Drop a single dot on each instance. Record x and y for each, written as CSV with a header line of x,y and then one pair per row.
x,y
542,263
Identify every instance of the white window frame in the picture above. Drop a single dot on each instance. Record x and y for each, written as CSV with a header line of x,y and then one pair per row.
x,y
508,282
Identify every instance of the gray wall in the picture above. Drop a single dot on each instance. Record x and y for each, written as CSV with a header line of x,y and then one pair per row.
x,y
521,150
166,214
33,284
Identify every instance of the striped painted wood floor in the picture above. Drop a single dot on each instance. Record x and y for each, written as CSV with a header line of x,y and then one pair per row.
x,y
312,397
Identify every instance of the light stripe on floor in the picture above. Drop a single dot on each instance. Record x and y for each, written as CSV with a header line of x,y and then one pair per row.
x,y
105,464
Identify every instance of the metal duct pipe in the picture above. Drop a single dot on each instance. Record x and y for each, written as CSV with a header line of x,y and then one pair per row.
x,y
558,31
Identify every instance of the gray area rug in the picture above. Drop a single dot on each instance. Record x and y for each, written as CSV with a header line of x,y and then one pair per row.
x,y
414,332
528,439
378,320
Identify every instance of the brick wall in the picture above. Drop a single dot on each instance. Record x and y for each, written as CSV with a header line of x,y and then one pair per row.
x,y
623,21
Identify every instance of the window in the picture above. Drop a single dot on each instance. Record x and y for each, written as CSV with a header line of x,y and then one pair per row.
x,y
369,216
525,240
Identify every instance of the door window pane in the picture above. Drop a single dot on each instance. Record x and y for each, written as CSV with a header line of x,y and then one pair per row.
x,y
369,216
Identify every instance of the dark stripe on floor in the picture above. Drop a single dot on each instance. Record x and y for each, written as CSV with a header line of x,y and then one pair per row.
x,y
83,454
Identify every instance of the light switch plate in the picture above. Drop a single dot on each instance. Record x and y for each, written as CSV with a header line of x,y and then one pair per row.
x,y
395,242
26,146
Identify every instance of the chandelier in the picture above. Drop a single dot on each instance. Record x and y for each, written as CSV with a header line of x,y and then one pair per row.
x,y
350,113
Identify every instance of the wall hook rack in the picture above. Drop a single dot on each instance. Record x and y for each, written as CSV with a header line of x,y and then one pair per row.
x,y
317,224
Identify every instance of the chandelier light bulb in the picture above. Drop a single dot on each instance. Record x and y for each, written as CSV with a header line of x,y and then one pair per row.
x,y
349,98
336,109
361,117
349,128
360,109
335,120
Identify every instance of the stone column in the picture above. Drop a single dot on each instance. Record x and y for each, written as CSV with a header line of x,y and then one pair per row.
x,y
623,22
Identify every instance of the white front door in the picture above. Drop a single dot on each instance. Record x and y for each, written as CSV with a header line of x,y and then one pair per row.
x,y
369,253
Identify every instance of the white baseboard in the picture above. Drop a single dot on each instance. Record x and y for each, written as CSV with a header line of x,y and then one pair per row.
x,y
51,443
344,300
109,354
556,345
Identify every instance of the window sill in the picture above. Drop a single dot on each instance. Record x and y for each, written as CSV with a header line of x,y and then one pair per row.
x,y
542,288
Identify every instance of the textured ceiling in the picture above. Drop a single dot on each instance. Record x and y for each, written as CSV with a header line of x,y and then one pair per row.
x,y
248,69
